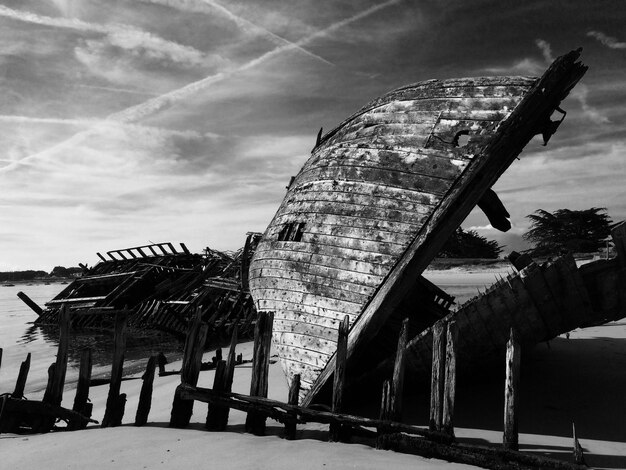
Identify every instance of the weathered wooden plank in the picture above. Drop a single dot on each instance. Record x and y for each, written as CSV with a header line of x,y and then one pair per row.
x,y
81,399
315,271
373,247
421,183
325,346
281,274
397,382
293,310
145,395
335,432
575,299
314,358
437,376
533,279
449,389
328,290
511,392
294,392
282,325
31,304
255,422
114,410
518,297
20,383
312,300
319,262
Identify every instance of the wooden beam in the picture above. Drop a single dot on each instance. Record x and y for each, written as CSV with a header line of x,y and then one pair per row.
x,y
511,392
55,395
449,390
145,395
255,422
114,411
340,376
213,414
397,384
32,304
437,376
192,363
294,394
82,405
20,383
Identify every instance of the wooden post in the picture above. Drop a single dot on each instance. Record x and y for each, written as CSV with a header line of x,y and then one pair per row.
x,y
449,390
436,383
511,392
145,396
397,384
31,303
385,405
255,422
213,414
0,357
221,420
294,392
335,430
192,362
579,456
81,404
115,402
20,383
162,360
54,395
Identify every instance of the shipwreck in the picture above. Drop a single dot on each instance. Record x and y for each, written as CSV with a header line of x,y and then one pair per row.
x,y
374,204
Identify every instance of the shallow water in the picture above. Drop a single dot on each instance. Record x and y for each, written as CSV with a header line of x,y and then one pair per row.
x,y
18,337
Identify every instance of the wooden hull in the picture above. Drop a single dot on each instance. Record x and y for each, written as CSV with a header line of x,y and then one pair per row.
x,y
377,199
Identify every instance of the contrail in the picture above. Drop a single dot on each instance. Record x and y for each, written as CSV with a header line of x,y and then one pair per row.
x,y
115,89
209,7
154,105
123,36
100,123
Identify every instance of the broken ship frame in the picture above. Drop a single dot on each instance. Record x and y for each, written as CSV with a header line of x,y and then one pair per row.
x,y
374,204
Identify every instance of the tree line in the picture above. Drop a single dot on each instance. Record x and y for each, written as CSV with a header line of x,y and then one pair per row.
x,y
31,275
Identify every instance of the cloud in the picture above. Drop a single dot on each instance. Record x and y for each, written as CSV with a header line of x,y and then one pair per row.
x,y
120,37
608,41
545,49
210,7
581,93
154,105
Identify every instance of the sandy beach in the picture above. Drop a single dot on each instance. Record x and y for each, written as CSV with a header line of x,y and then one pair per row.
x,y
577,379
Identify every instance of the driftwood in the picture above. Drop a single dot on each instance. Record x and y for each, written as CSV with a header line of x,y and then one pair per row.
x,y
192,359
511,393
145,396
340,377
480,456
283,412
255,421
31,303
19,415
115,401
81,404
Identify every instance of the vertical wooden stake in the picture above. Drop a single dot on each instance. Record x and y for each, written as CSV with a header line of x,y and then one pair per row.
x,y
161,360
579,456
81,404
21,378
294,392
112,416
0,357
55,395
192,362
214,412
339,377
511,392
255,421
385,403
229,375
436,383
449,391
397,385
145,395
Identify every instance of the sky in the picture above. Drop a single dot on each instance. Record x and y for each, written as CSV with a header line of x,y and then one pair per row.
x,y
124,123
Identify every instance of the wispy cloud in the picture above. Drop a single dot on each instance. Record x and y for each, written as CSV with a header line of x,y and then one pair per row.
x,y
545,49
120,36
608,41
210,7
154,105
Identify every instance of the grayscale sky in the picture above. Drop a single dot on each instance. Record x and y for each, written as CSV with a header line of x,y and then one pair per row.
x,y
129,122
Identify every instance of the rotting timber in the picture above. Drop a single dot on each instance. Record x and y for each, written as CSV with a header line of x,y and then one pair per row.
x,y
159,288
376,201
